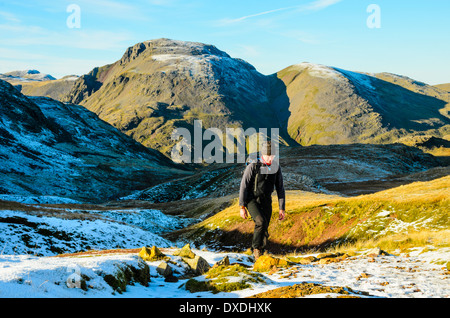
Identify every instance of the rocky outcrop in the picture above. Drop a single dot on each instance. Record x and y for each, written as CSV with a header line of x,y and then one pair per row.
x,y
127,274
197,264
306,289
151,254
48,148
266,263
164,84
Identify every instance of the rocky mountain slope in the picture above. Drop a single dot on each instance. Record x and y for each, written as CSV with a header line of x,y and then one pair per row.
x,y
327,105
444,87
48,148
163,84
26,76
34,83
55,89
336,169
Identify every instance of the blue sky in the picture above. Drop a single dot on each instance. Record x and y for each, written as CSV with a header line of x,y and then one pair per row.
x,y
414,38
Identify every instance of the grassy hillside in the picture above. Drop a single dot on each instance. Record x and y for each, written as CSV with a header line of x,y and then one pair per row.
x,y
162,85
317,220
55,89
444,87
328,105
49,148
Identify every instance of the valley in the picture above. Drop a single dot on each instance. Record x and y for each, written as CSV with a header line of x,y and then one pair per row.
x,y
88,182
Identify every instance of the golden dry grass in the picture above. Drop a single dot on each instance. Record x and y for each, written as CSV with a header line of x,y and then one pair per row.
x,y
315,220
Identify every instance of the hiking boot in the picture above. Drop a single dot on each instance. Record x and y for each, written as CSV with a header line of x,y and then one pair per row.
x,y
256,254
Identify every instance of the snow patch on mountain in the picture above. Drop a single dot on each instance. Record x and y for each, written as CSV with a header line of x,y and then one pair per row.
x,y
360,79
43,199
26,76
418,275
318,70
72,231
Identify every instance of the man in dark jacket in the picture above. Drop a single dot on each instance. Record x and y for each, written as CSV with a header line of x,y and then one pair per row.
x,y
258,182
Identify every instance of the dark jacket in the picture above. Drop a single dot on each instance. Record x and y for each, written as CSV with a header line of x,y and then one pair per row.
x,y
247,185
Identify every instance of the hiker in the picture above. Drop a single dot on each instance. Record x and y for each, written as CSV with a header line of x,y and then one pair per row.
x,y
257,197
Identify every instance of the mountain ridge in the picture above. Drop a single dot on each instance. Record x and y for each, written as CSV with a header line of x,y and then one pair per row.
x,y
26,76
49,148
163,84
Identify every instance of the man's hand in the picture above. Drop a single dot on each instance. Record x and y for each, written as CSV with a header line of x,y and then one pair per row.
x,y
244,213
282,215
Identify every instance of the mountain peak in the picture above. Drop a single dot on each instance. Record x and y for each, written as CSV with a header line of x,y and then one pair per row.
x,y
165,47
26,75
169,46
317,70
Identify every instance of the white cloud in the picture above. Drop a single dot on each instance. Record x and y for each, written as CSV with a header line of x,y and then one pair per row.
x,y
301,36
9,17
321,4
232,21
162,3
14,54
23,35
118,10
312,6
56,66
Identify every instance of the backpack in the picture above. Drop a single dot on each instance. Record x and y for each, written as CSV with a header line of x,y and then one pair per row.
x,y
263,184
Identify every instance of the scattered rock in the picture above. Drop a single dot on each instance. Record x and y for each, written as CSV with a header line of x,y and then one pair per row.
x,y
266,263
225,279
126,274
329,260
197,264
185,252
363,275
273,270
164,269
376,252
151,255
303,260
333,259
171,279
326,255
305,289
224,261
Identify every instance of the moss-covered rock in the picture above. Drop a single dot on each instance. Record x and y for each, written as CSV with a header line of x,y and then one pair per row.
x,y
305,289
117,281
266,262
225,278
164,269
303,260
197,264
185,252
195,286
223,262
151,255
127,274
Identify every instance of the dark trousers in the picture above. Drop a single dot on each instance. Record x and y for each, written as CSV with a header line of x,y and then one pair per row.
x,y
261,213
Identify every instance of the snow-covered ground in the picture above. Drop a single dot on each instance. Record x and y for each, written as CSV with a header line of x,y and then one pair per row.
x,y
23,233
416,276
29,243
43,199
